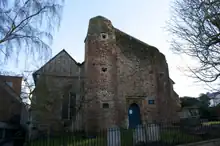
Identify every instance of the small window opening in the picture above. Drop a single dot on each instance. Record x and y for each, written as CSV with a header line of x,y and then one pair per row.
x,y
161,74
105,105
104,36
104,69
150,101
151,71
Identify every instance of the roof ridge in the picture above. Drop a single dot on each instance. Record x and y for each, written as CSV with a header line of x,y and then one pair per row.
x,y
63,50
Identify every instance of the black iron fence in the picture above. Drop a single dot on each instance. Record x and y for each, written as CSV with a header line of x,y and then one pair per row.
x,y
149,135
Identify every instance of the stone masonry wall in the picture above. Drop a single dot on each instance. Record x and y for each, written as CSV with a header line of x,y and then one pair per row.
x,y
134,72
61,76
136,76
58,88
101,78
166,105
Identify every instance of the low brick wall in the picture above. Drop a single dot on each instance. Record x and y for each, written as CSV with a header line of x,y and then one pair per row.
x,y
214,142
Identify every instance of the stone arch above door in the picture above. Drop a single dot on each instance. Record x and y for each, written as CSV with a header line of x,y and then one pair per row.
x,y
130,101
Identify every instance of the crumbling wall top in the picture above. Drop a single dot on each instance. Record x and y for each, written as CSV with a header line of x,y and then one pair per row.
x,y
130,45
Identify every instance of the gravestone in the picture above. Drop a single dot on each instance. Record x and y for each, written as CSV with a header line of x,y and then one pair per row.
x,y
139,134
114,136
153,132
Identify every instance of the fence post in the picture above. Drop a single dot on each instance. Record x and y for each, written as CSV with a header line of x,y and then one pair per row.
x,y
114,136
153,132
139,134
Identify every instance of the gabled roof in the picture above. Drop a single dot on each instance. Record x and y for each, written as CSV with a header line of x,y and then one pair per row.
x,y
79,64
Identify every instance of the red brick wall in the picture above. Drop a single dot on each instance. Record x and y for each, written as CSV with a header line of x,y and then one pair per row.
x,y
101,74
136,72
9,106
16,82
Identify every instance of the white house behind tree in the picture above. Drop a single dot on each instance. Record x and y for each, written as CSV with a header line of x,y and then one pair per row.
x,y
215,98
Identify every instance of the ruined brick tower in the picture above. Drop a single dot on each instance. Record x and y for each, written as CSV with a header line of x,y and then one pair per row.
x,y
123,74
124,82
101,73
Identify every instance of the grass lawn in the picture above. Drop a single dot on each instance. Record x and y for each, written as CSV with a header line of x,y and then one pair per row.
x,y
178,137
211,123
90,142
70,142
127,137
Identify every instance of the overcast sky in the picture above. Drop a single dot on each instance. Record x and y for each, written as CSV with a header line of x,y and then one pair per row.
x,y
143,19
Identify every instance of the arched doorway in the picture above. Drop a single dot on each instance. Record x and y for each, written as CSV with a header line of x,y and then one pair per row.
x,y
134,116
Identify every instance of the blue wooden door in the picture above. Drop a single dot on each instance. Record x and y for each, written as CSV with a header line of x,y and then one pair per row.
x,y
134,115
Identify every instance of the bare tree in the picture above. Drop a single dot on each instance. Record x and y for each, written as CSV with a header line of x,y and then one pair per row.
x,y
27,25
27,84
27,87
195,27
